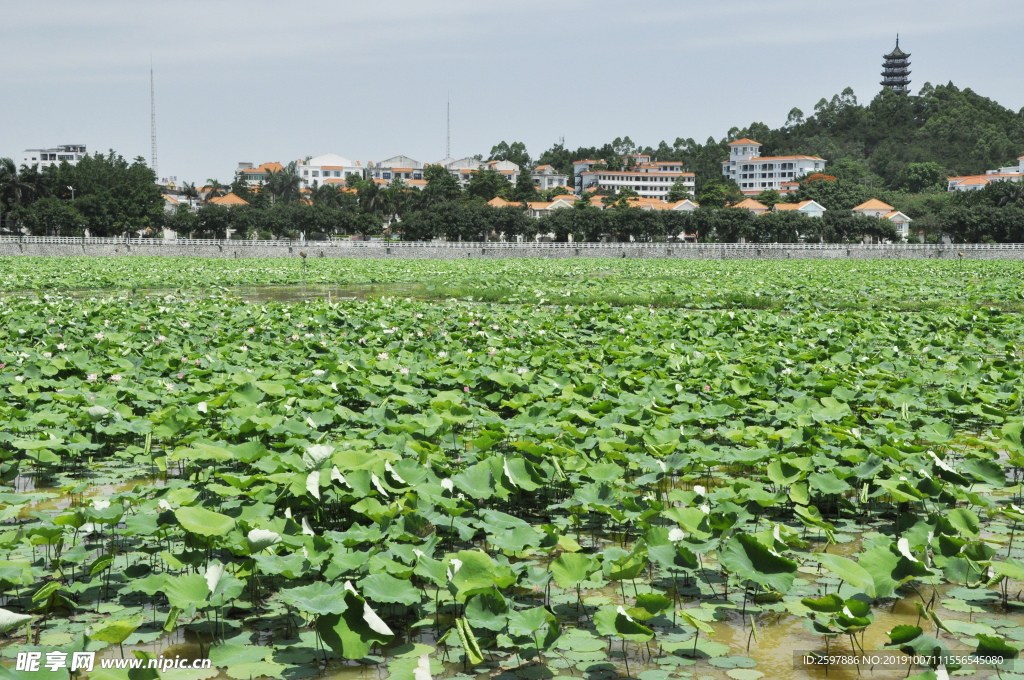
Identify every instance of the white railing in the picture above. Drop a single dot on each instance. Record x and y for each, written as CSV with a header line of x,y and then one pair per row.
x,y
240,243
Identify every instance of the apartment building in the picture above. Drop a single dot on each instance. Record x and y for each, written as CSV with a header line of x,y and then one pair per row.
x,y
44,158
546,178
755,173
396,167
255,176
329,168
649,180
464,168
1011,173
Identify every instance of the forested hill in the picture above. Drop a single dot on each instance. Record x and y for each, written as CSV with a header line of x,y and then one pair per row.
x,y
896,141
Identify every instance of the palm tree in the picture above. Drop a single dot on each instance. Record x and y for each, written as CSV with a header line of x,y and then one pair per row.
x,y
284,185
189,192
216,188
14,190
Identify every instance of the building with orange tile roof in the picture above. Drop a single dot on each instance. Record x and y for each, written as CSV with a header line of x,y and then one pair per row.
x,y
546,178
808,208
394,168
229,201
256,175
754,173
884,211
318,169
1010,173
755,207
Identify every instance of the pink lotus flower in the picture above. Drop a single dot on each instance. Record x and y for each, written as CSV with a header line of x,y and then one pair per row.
x,y
466,389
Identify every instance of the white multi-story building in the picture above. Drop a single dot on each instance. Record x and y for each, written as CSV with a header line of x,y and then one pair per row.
x,y
1011,173
254,176
464,168
545,178
649,180
327,169
71,153
755,173
397,167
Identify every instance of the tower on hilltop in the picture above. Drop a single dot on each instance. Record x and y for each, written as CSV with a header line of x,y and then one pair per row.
x,y
896,69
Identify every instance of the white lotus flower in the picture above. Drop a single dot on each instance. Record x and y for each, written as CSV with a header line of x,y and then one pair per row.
x,y
288,513
940,673
306,528
847,612
454,569
700,490
422,670
676,535
263,538
313,484
201,407
163,504
336,476
706,509
100,504
903,545
622,612
376,484
388,468
214,572
418,553
679,388
448,484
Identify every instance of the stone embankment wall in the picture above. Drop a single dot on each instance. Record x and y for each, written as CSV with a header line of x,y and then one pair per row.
x,y
102,247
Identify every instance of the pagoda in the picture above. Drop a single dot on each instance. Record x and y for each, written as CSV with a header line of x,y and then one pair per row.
x,y
896,70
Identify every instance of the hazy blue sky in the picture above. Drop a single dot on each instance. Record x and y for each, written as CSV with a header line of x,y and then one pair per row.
x,y
259,81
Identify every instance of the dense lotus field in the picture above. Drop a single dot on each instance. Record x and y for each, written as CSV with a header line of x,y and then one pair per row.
x,y
910,284
399,488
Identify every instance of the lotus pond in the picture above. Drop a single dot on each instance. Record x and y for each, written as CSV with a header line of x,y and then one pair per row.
x,y
402,488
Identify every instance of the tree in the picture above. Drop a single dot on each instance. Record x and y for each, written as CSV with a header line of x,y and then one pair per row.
x,y
526,190
216,189
49,217
678,192
769,198
441,186
240,187
14,190
113,196
284,185
514,152
917,177
717,193
487,183
189,192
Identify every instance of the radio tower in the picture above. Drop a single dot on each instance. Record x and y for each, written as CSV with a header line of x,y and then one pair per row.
x,y
448,143
152,118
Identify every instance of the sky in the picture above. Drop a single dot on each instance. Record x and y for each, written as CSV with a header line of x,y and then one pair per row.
x,y
276,81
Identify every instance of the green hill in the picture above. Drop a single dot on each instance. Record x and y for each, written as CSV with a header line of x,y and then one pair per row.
x,y
897,142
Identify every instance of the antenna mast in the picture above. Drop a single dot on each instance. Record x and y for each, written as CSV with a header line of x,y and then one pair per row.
x,y
152,117
448,143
